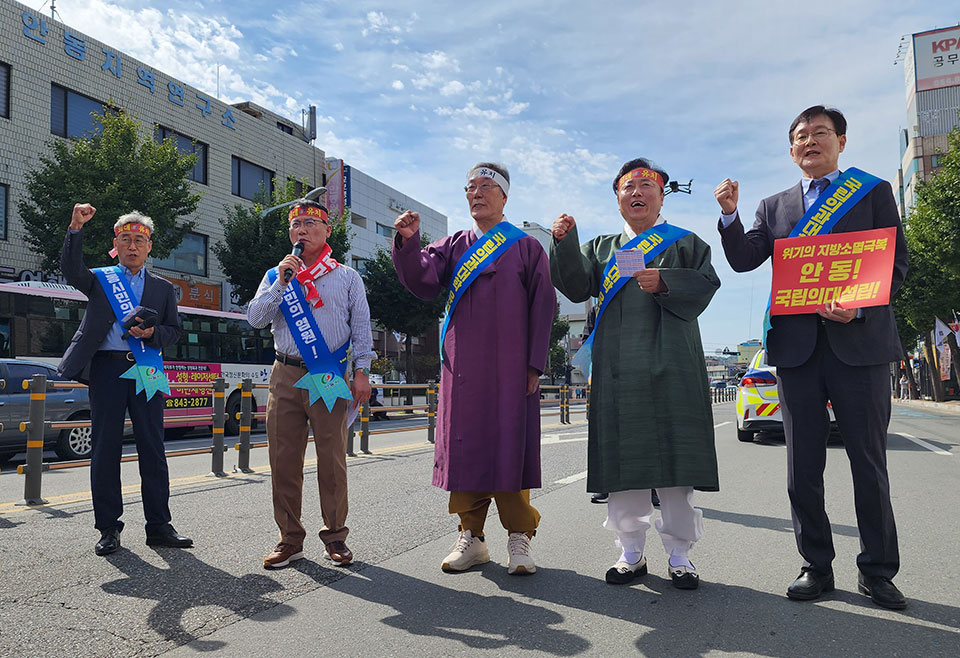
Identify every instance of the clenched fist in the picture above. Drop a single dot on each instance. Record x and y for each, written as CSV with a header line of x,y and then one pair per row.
x,y
727,195
562,225
82,213
407,224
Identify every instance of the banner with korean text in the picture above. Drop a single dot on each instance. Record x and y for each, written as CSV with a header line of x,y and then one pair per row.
x,y
854,269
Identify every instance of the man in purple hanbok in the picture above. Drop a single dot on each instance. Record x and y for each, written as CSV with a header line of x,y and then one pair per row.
x,y
492,355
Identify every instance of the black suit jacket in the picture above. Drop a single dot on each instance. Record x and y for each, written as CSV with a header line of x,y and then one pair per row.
x,y
869,340
158,294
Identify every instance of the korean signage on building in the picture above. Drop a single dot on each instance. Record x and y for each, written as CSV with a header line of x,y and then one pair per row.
x,y
936,57
197,295
76,51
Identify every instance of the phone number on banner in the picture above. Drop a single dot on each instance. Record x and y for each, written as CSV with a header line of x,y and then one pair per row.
x,y
197,402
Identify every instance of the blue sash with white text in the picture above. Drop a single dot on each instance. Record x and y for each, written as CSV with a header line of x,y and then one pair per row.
x,y
325,369
651,242
823,214
147,372
488,248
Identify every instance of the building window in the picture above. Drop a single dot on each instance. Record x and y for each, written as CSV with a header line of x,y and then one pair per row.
x,y
386,231
190,257
3,211
4,90
358,220
250,179
936,161
190,146
285,128
360,264
70,113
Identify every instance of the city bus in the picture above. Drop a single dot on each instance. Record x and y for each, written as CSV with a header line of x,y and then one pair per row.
x,y
38,319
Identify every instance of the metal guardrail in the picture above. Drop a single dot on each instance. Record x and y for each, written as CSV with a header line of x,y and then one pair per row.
x,y
38,387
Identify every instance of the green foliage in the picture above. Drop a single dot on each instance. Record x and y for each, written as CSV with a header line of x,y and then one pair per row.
x,y
253,244
557,359
117,171
932,231
381,366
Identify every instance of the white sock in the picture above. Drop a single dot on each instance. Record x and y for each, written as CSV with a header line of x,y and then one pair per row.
x,y
680,561
630,557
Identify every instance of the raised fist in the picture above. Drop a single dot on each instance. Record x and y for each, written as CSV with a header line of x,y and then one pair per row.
x,y
562,225
82,213
407,224
727,195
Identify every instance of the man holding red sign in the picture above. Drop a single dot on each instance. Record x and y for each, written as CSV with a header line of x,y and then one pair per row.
x,y
838,353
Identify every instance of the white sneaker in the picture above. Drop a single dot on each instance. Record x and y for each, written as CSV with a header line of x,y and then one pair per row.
x,y
521,562
467,551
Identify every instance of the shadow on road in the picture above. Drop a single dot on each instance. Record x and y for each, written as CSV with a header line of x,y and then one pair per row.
x,y
189,583
475,620
749,621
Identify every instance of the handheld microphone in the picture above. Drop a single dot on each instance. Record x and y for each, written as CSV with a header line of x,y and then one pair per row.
x,y
296,251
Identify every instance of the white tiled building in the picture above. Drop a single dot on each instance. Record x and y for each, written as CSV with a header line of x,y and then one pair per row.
x,y
52,77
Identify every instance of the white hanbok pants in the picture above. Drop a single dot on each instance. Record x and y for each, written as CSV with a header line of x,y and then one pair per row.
x,y
680,524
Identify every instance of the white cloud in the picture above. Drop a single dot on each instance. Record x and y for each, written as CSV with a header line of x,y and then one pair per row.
x,y
397,84
452,88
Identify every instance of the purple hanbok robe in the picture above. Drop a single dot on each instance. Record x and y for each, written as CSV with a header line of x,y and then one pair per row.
x,y
488,429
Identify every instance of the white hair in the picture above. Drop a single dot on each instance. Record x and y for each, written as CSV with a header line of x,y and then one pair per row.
x,y
135,217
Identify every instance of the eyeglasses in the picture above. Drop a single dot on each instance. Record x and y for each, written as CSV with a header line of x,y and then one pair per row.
x,y
817,135
137,240
486,187
307,224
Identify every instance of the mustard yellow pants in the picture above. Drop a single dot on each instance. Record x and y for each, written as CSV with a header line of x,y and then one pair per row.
x,y
516,512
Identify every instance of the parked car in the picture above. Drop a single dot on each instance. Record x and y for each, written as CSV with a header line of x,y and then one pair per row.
x,y
61,405
718,384
758,400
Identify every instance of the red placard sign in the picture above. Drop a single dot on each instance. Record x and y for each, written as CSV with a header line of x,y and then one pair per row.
x,y
853,268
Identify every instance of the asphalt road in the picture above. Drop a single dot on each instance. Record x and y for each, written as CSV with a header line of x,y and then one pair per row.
x,y
58,599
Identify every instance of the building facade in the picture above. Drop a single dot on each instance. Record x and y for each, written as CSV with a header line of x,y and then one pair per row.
x,y
52,77
932,75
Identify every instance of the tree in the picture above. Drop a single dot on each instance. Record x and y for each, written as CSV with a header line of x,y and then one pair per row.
x,y
394,307
118,170
558,361
932,231
253,244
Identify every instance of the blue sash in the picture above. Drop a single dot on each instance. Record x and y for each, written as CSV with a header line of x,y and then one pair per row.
x,y
147,372
325,370
651,242
823,214
488,248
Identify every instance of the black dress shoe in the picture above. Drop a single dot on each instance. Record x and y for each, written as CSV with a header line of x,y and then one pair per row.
x,y
599,497
810,585
170,538
882,590
109,541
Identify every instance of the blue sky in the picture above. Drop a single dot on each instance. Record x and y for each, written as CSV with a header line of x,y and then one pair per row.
x,y
563,93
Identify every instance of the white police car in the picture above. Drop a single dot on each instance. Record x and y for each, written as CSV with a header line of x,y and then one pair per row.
x,y
758,400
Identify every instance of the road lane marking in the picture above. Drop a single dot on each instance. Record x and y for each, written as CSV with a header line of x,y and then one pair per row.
x,y
924,444
722,424
572,478
133,489
556,438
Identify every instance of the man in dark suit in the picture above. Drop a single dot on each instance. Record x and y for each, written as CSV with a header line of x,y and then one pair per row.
x,y
838,354
98,355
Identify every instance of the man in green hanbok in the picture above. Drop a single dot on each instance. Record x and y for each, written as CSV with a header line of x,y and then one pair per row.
x,y
651,424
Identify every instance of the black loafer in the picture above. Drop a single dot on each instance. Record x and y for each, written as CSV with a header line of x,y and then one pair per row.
x,y
882,590
684,577
109,541
623,572
169,538
599,497
810,584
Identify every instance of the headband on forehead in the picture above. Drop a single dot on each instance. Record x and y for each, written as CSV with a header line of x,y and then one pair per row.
x,y
307,211
641,173
495,176
135,227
